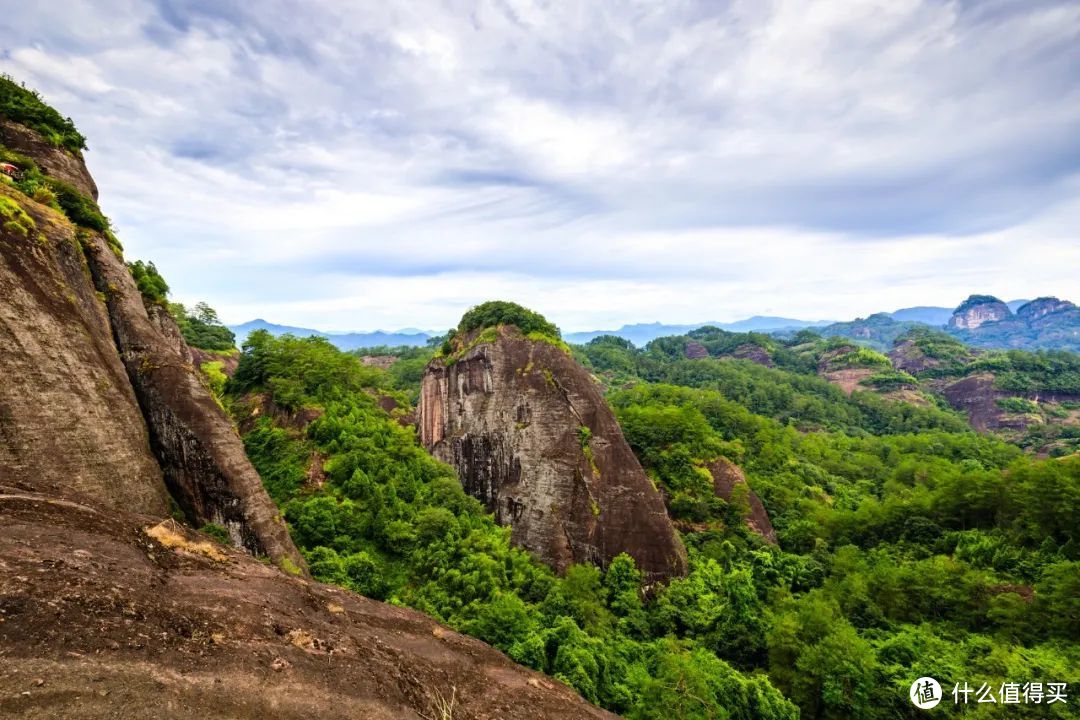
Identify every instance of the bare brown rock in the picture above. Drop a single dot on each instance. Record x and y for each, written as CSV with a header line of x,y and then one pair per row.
x,y
121,625
383,362
201,454
754,353
53,161
68,417
728,482
532,438
695,350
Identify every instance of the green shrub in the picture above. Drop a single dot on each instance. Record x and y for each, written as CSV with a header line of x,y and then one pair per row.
x,y
1018,405
26,106
15,218
79,209
149,281
499,312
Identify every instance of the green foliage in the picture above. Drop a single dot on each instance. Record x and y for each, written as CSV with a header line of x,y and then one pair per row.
x,y
1017,405
393,523
14,218
498,312
201,327
149,281
217,532
890,380
861,357
908,543
80,209
26,106
215,377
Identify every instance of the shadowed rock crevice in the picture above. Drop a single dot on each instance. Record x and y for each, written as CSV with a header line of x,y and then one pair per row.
x,y
200,452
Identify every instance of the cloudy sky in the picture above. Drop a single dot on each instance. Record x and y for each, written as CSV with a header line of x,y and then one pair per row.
x,y
362,165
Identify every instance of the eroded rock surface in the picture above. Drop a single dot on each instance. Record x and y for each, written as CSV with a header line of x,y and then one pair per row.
x,y
729,482
69,419
99,620
532,438
53,161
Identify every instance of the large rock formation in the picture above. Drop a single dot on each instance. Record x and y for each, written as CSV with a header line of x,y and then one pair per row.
x,y
101,619
69,419
729,482
1038,310
532,438
978,310
101,396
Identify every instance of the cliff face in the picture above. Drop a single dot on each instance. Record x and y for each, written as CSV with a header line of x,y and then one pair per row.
x,y
101,619
53,161
978,310
729,481
69,420
199,451
102,400
533,439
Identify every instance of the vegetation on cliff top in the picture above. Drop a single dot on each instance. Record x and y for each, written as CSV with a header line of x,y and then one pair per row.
x,y
499,312
22,105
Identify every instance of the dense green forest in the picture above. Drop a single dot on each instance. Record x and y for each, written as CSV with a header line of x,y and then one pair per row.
x,y
908,544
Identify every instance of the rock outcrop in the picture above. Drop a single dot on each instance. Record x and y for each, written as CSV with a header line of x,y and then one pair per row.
x,y
102,397
978,310
532,438
1038,310
729,482
100,619
199,450
53,161
69,419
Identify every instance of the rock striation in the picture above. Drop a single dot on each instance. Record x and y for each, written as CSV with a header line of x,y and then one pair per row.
x,y
102,398
69,419
533,439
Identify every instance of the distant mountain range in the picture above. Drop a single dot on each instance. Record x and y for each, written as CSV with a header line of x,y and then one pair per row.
x,y
344,340
981,320
643,333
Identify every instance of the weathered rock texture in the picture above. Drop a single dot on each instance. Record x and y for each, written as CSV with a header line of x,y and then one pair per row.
x,y
101,397
100,621
533,439
53,161
199,450
729,482
978,310
68,417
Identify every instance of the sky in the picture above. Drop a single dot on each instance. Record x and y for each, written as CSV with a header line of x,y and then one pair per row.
x,y
375,165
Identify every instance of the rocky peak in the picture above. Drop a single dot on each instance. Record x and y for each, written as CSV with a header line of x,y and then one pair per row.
x,y
533,439
978,310
1039,308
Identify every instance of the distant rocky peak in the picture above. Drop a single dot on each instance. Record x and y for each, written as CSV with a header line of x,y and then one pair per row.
x,y
978,310
1041,307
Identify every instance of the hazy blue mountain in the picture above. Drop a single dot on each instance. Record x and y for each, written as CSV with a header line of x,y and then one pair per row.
x,y
926,314
642,333
344,340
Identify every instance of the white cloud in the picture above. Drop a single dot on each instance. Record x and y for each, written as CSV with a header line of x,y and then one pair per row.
x,y
390,164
